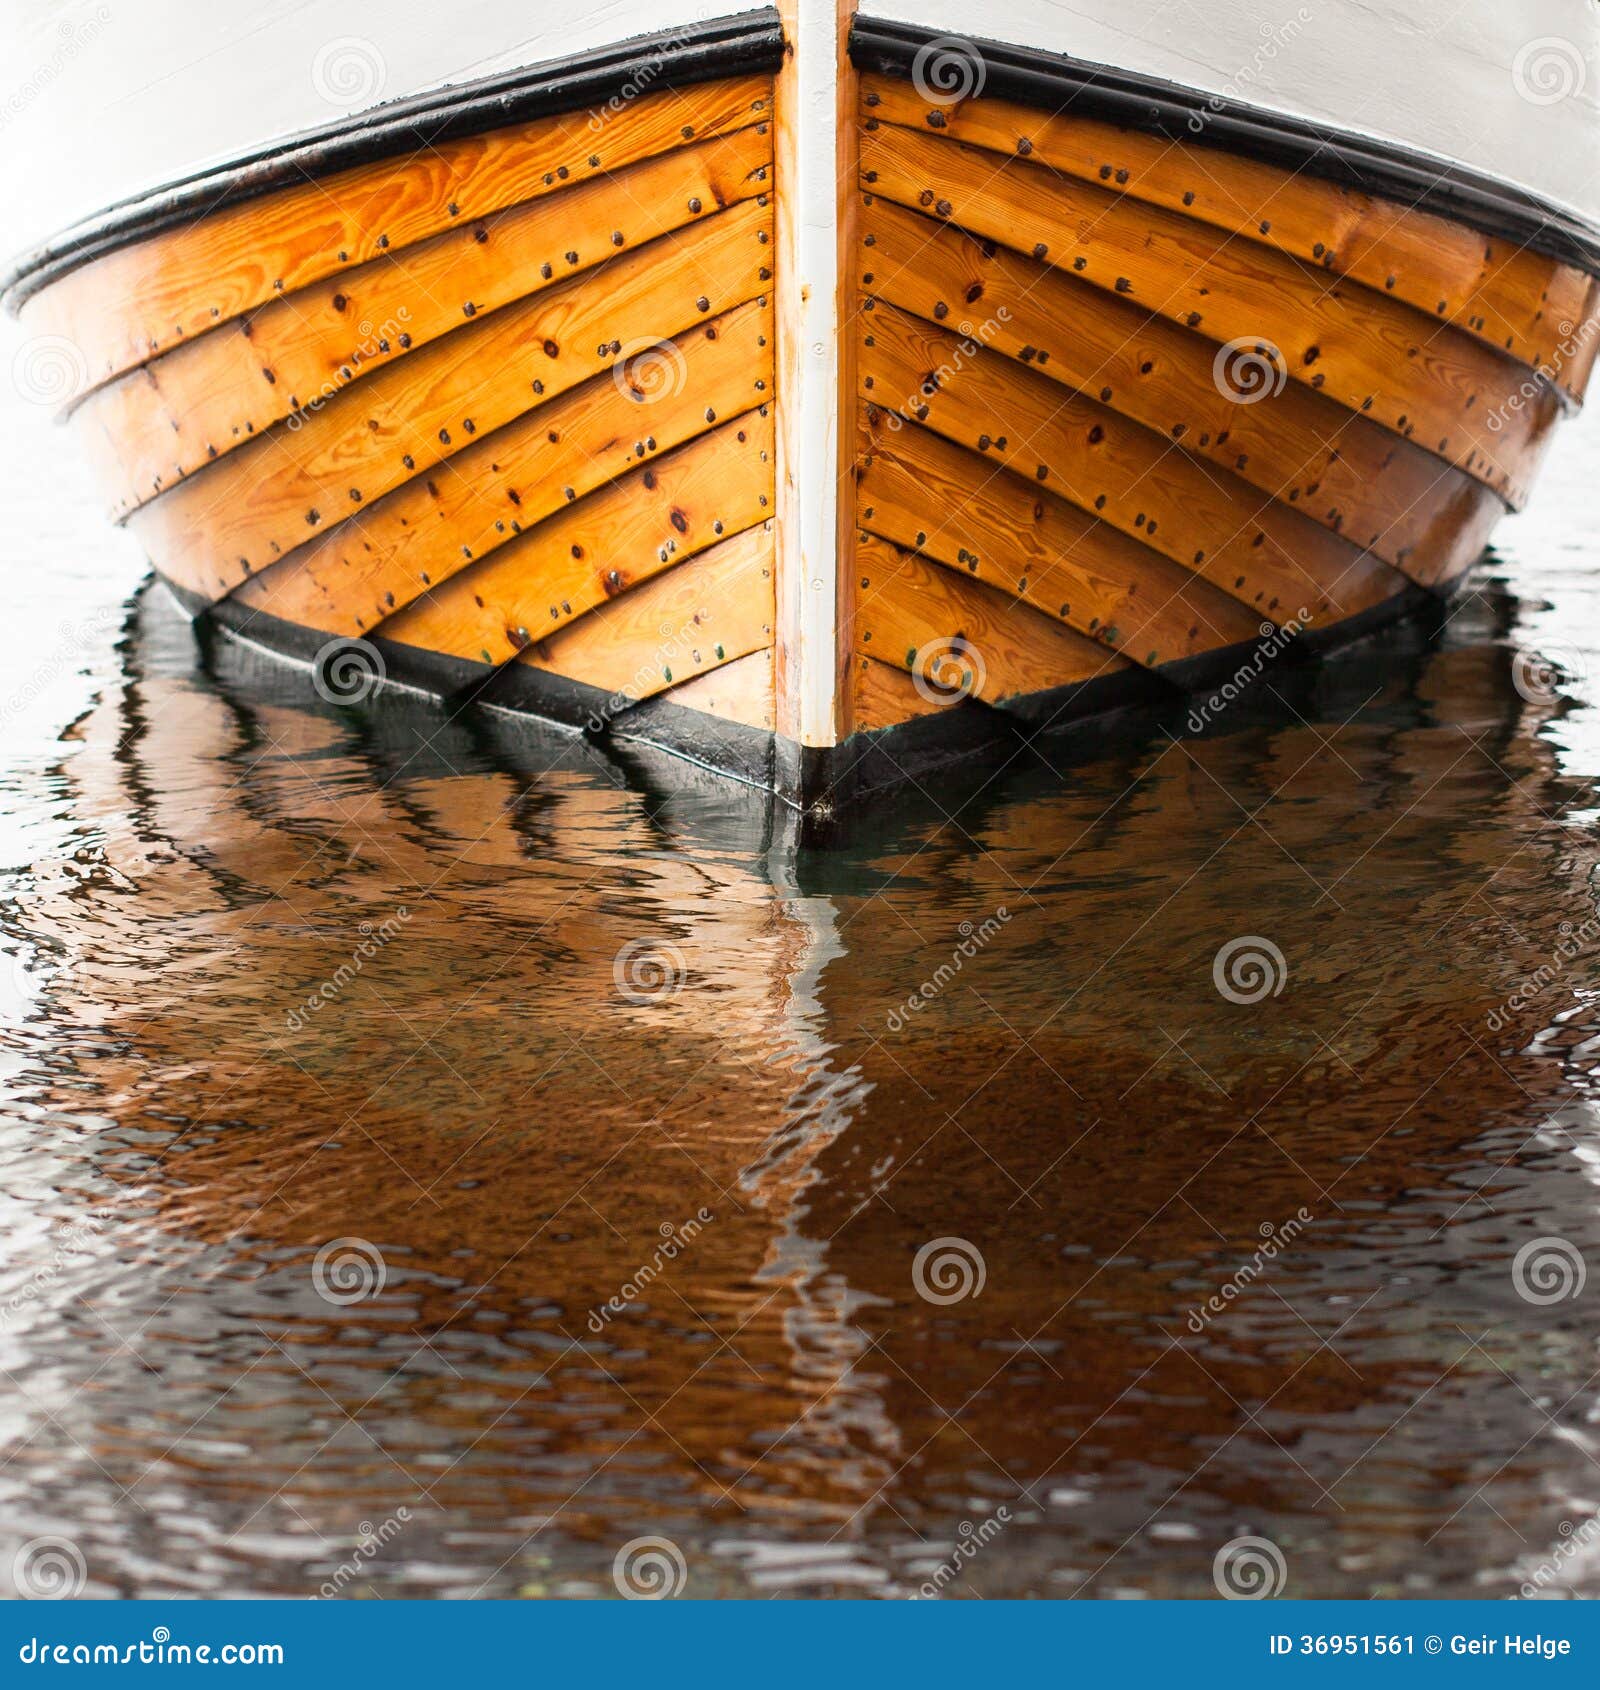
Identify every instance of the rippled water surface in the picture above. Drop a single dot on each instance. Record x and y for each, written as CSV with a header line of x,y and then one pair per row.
x,y
435,1157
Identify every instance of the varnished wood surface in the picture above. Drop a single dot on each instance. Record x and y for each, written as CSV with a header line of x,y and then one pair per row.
x,y
1300,447
711,609
493,489
931,497
263,500
133,304
180,411
740,691
1259,551
883,696
1335,337
962,635
1052,315
1512,299
629,530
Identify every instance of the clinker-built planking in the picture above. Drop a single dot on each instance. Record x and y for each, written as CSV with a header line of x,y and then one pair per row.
x,y
823,398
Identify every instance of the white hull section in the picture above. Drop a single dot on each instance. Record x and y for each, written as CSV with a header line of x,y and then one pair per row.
x,y
107,101
113,98
1510,88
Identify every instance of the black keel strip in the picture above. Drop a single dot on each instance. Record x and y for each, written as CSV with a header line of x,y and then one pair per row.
x,y
1385,169
751,43
824,783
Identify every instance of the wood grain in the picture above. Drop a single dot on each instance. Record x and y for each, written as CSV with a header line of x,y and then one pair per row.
x,y
960,634
1511,299
1373,354
931,497
1242,541
151,428
126,307
260,502
741,691
711,609
883,696
494,489
1298,446
599,547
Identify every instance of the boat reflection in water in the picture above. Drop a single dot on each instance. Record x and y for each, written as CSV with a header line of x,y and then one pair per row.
x,y
477,1159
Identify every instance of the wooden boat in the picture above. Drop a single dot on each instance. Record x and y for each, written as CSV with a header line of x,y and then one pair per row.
x,y
821,397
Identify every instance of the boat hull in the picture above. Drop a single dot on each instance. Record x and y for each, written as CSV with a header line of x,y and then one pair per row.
x,y
1026,392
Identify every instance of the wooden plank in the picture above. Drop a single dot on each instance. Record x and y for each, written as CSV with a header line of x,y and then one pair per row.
x,y
599,547
1238,538
1301,448
132,304
960,634
491,491
1510,298
884,696
929,496
740,691
262,501
154,426
706,611
1337,338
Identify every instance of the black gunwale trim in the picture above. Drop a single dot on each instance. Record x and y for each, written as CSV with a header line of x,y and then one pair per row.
x,y
745,44
1389,170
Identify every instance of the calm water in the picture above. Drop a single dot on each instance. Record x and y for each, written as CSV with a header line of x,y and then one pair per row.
x,y
434,1159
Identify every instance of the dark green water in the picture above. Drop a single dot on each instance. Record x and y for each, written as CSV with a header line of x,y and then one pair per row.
x,y
434,1158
